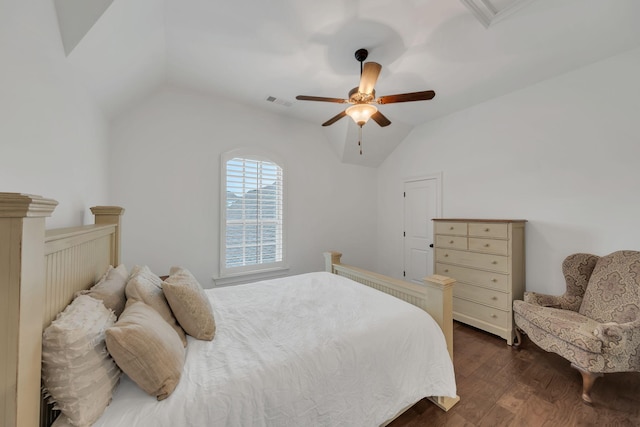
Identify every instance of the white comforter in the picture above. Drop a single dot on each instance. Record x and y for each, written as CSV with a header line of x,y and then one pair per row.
x,y
309,350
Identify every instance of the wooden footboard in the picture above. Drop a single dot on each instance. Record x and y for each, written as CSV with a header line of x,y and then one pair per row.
x,y
435,297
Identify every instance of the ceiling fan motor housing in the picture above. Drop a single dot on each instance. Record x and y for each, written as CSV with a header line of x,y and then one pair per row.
x,y
361,54
355,97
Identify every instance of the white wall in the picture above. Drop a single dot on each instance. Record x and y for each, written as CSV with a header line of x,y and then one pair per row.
x,y
52,137
165,171
563,154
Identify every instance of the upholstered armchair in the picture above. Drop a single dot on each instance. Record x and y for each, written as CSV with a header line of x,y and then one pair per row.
x,y
595,325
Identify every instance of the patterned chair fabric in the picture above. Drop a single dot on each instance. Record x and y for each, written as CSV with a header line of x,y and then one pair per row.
x,y
577,269
596,323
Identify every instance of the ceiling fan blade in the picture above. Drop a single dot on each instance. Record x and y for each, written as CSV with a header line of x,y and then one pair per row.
x,y
380,119
407,97
334,119
370,74
320,98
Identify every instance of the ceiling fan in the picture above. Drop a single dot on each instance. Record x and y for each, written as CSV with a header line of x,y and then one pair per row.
x,y
363,97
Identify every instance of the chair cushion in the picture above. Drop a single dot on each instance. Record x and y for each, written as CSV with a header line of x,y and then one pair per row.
x,y
566,325
613,293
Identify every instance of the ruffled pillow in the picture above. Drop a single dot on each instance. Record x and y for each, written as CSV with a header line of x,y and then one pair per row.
x,y
78,373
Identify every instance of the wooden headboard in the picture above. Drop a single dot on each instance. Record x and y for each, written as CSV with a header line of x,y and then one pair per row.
x,y
40,272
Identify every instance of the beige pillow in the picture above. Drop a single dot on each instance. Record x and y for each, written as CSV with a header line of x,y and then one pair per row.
x,y
147,350
145,286
189,304
77,371
110,289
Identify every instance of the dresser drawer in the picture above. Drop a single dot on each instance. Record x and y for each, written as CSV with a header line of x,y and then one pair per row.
x,y
490,315
488,279
484,296
491,246
479,229
497,263
453,242
453,228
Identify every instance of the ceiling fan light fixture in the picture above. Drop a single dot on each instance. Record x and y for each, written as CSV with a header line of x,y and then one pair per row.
x,y
361,113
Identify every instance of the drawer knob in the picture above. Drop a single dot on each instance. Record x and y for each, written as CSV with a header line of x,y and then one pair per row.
x,y
494,316
494,298
486,245
446,270
486,229
494,262
446,255
494,280
451,242
451,228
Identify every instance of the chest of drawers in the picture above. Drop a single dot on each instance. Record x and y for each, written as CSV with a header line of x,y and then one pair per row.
x,y
487,258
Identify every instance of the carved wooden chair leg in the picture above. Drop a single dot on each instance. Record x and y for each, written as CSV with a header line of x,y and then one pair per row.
x,y
518,343
588,378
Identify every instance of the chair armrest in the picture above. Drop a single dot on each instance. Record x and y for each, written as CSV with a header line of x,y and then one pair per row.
x,y
556,301
619,337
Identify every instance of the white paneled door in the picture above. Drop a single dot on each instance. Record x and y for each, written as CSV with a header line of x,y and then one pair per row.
x,y
421,204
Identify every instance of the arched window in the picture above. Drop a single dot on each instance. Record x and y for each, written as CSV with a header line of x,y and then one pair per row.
x,y
252,214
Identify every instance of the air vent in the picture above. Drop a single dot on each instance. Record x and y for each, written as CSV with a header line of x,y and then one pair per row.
x,y
279,101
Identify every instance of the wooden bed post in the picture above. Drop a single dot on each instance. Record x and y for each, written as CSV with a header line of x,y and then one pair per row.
x,y
439,300
439,296
111,215
22,278
331,258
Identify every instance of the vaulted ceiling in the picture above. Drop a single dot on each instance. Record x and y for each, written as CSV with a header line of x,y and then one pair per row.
x,y
467,51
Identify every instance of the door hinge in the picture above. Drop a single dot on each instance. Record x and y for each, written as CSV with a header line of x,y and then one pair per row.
x,y
404,274
404,234
404,194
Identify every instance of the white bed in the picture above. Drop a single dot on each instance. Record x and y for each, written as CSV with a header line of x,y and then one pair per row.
x,y
310,350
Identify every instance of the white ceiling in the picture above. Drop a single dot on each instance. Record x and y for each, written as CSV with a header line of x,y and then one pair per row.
x,y
247,50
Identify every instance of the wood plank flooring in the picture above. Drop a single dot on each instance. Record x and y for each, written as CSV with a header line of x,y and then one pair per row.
x,y
501,386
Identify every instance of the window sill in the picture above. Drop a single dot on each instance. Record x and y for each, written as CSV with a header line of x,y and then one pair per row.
x,y
254,276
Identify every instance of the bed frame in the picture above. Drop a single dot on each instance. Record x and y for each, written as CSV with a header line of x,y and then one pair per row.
x,y
41,270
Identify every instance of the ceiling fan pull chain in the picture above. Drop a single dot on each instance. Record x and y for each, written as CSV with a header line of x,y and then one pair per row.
x,y
360,139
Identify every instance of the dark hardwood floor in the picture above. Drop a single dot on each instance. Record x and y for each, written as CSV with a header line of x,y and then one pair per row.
x,y
501,386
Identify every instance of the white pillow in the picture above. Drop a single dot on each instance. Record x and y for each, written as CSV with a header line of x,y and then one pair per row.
x,y
78,373
62,421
